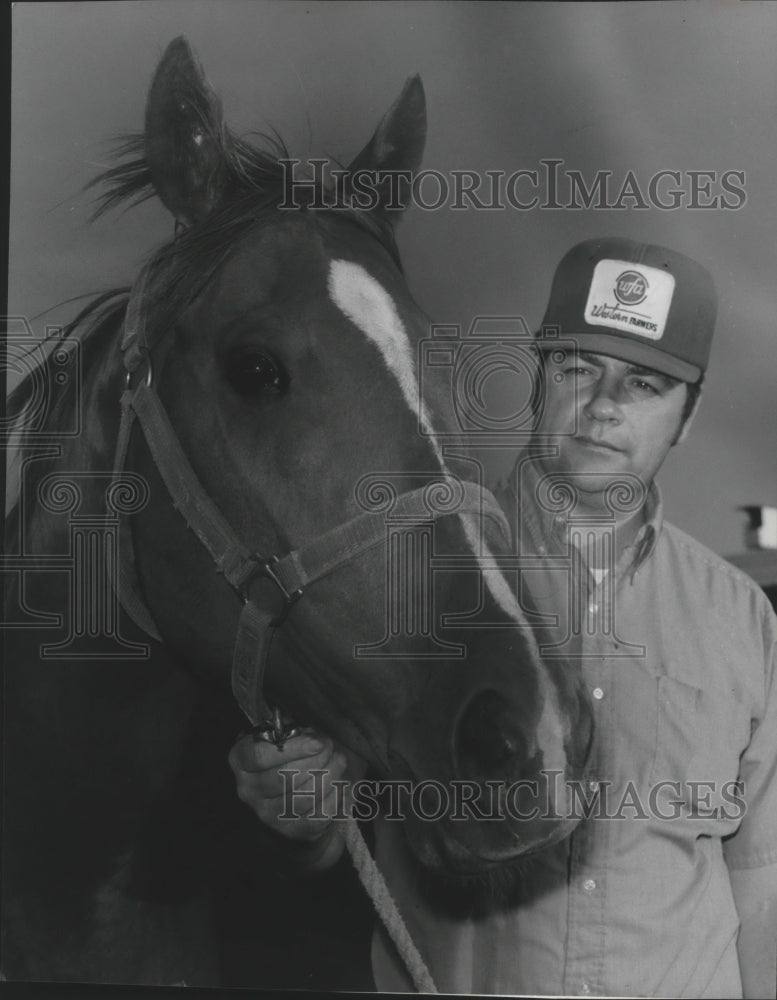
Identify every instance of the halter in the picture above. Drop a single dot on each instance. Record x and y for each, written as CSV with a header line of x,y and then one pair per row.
x,y
246,571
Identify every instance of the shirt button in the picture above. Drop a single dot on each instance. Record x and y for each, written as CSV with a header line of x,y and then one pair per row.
x,y
589,885
598,694
593,786
593,608
585,990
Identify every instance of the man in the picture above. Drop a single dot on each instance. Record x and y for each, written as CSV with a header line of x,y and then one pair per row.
x,y
669,885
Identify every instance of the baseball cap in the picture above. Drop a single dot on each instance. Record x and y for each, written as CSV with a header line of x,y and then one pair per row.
x,y
634,301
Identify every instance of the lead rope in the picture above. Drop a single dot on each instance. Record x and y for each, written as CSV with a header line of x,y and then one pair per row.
x,y
386,907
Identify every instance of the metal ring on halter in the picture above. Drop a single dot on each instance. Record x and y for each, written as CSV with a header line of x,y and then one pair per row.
x,y
149,373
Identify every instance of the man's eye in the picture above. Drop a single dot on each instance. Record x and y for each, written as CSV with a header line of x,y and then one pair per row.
x,y
642,385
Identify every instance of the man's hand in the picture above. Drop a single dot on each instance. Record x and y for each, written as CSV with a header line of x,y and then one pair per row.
x,y
298,807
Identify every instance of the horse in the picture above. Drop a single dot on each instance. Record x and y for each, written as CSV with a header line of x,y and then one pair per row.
x,y
251,454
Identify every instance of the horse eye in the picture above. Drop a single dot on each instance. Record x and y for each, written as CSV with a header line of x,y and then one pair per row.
x,y
253,372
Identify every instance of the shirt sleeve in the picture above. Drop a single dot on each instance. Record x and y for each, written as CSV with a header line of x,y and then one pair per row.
x,y
754,844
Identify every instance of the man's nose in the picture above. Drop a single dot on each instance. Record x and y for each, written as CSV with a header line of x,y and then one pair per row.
x,y
603,404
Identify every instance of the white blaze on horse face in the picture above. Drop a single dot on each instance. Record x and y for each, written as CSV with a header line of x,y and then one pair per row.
x,y
371,309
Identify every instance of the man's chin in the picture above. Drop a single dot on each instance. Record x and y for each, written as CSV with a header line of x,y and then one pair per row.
x,y
591,467
592,481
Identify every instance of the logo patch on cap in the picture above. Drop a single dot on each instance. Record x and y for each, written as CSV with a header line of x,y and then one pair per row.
x,y
631,288
630,297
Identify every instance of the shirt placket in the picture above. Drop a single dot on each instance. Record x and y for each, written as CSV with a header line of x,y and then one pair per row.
x,y
586,912
594,605
584,972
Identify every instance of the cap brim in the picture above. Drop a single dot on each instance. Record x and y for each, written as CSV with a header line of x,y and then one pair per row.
x,y
637,352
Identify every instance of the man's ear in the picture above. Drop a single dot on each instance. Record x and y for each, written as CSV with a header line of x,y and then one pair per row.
x,y
682,434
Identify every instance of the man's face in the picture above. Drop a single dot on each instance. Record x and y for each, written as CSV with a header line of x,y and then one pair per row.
x,y
609,417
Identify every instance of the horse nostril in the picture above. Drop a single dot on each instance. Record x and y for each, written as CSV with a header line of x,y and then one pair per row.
x,y
488,740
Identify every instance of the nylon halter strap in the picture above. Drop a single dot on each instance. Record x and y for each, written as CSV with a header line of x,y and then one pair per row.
x,y
246,571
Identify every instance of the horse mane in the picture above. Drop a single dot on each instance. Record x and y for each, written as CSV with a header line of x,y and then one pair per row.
x,y
179,269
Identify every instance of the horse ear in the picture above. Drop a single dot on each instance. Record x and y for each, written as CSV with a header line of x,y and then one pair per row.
x,y
396,147
185,138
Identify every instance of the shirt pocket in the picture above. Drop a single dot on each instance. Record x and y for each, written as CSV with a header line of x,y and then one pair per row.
x,y
700,737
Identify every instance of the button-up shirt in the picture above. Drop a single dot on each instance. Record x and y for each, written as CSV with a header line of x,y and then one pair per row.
x,y
678,650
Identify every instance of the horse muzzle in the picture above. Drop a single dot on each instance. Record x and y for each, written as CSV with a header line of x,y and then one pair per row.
x,y
507,789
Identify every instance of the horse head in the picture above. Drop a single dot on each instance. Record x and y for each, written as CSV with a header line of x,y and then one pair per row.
x,y
283,345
